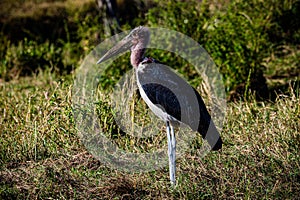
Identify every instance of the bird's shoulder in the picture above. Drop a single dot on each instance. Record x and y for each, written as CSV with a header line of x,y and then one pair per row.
x,y
151,70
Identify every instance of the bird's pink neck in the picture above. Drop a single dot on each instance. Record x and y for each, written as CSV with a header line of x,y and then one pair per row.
x,y
138,51
136,57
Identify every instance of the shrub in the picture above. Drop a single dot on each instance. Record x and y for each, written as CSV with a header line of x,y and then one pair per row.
x,y
234,36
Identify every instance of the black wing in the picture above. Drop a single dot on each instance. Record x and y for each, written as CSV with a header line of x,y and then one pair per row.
x,y
164,98
176,97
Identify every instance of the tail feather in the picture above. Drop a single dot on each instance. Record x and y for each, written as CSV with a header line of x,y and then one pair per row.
x,y
207,127
213,137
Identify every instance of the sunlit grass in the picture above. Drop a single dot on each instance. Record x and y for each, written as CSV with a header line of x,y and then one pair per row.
x,y
42,156
36,120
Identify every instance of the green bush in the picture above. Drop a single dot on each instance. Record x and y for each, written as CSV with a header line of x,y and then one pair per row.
x,y
238,43
234,36
28,56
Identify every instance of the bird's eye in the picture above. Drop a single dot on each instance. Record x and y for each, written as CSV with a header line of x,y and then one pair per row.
x,y
134,34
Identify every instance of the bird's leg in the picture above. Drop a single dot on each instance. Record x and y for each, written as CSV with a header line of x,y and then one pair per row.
x,y
173,142
171,151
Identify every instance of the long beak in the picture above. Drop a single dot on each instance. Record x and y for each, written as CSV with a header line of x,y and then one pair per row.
x,y
120,47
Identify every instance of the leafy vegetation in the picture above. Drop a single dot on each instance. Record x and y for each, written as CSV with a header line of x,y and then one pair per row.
x,y
239,35
255,44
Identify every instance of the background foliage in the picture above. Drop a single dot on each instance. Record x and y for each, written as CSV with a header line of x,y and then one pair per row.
x,y
242,37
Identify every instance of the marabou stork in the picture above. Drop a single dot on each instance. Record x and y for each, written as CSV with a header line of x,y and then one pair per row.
x,y
167,95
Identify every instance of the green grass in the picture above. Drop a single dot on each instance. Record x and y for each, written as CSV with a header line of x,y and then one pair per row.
x,y
42,156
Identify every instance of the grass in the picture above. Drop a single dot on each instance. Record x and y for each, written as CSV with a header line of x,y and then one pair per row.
x,y
42,156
